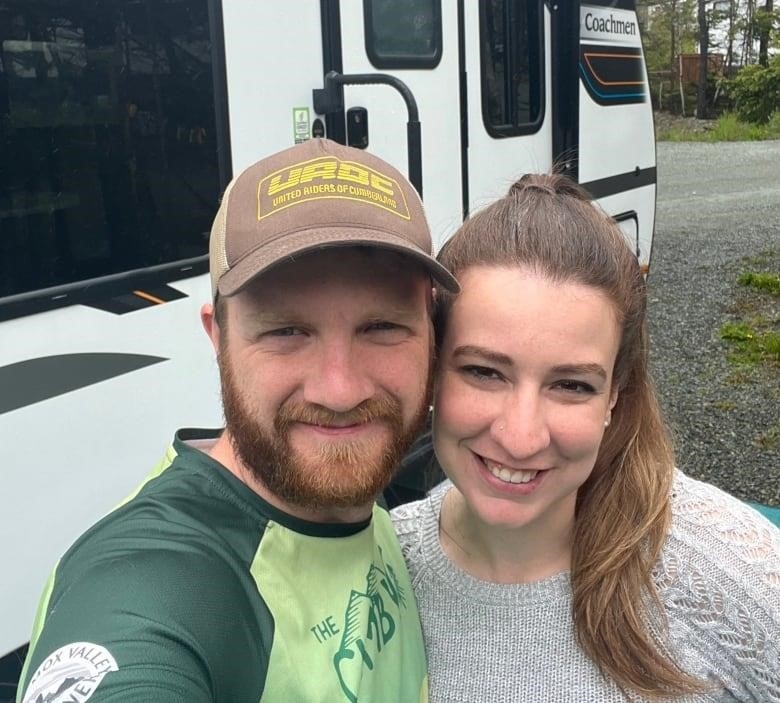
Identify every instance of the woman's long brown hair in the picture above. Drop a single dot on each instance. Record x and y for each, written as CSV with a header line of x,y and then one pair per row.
x,y
549,224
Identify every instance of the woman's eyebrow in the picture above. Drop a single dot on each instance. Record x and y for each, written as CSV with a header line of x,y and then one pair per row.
x,y
499,358
576,369
487,354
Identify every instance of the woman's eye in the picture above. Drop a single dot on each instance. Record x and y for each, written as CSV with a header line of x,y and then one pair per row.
x,y
481,373
575,386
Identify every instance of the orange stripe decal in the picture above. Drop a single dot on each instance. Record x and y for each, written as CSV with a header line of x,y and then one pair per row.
x,y
148,296
610,56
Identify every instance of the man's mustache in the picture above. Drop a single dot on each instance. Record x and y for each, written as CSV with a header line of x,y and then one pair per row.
x,y
371,409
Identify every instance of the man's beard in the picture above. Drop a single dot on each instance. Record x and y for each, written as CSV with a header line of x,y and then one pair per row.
x,y
342,474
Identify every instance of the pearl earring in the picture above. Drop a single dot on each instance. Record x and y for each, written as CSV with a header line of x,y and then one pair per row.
x,y
607,420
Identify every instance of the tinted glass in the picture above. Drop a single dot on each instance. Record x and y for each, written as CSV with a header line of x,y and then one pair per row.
x,y
510,39
107,132
403,33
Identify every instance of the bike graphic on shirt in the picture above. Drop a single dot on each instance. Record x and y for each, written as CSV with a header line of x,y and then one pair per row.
x,y
382,600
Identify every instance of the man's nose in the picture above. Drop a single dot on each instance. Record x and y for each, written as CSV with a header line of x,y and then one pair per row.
x,y
338,378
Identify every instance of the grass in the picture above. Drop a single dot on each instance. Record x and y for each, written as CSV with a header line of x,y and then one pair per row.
x,y
744,306
763,258
740,376
769,282
727,128
752,337
752,343
753,332
769,439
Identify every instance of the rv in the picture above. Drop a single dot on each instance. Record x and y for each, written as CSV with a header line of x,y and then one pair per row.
x,y
122,121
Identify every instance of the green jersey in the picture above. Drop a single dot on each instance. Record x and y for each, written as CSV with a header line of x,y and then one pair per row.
x,y
196,589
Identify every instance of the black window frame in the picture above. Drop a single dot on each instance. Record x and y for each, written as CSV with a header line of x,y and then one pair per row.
x,y
413,61
90,291
535,51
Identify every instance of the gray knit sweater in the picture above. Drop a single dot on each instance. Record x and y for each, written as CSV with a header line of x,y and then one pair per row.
x,y
718,578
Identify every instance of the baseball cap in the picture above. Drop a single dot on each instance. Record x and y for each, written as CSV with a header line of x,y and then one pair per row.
x,y
315,195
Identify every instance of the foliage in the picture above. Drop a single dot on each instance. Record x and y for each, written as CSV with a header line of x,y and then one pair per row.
x,y
769,439
754,338
727,128
751,344
773,126
671,30
768,282
765,22
756,91
740,31
763,258
765,26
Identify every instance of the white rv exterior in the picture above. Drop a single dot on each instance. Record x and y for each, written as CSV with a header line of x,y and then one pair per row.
x,y
121,125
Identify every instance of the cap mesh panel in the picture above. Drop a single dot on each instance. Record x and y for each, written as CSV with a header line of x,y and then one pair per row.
x,y
218,263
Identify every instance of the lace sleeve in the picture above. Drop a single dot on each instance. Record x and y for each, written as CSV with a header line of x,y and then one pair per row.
x,y
406,522
738,530
720,579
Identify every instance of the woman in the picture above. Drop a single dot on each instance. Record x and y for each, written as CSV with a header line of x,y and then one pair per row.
x,y
566,559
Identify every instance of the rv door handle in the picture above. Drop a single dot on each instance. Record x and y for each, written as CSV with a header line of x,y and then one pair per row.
x,y
330,99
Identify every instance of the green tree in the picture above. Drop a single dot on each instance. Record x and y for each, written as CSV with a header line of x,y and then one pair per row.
x,y
766,20
670,30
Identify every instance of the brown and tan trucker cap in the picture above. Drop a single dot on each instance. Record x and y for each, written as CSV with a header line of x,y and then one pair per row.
x,y
314,195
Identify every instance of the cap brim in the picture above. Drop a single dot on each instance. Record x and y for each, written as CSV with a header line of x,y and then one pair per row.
x,y
277,252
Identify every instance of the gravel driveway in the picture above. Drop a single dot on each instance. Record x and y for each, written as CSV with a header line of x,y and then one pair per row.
x,y
718,214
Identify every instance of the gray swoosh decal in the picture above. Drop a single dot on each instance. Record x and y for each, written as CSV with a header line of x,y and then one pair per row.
x,y
34,380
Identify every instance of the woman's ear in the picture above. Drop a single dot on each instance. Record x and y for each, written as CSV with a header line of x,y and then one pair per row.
x,y
613,398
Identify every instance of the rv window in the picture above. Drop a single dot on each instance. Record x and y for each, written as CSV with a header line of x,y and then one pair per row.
x,y
511,45
107,134
403,33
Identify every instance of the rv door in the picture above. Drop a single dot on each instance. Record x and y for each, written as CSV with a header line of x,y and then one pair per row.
x,y
507,55
480,75
414,41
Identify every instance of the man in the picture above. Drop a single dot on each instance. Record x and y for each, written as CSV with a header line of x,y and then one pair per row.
x,y
253,565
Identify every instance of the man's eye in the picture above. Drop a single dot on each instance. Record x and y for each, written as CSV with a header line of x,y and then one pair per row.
x,y
285,332
382,325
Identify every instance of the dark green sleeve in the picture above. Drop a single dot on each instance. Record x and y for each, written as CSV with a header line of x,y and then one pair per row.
x,y
157,625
